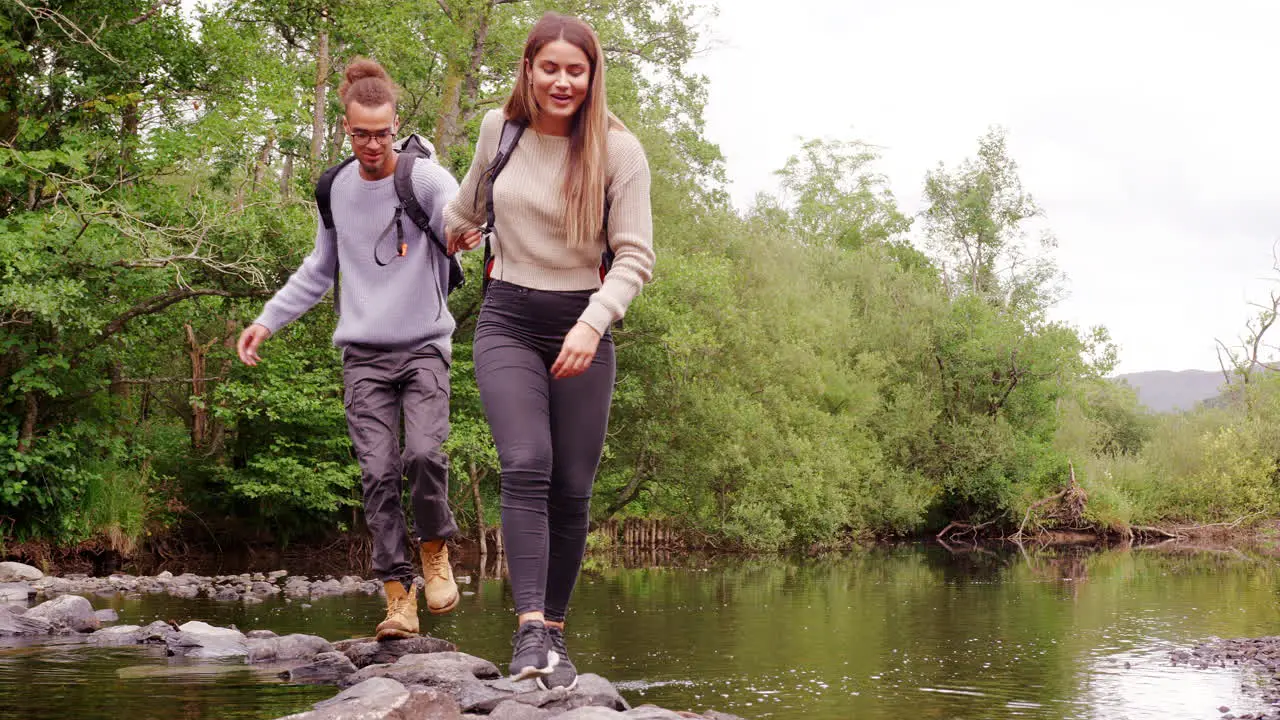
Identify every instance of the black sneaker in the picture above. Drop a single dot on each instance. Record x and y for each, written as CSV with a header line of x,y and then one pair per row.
x,y
532,655
564,674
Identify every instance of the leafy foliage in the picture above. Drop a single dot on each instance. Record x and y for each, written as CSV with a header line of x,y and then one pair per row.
x,y
797,374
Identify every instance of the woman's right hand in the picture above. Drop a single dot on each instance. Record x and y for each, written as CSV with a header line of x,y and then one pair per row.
x,y
468,240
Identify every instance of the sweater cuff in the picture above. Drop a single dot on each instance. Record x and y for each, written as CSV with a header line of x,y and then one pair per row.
x,y
270,320
598,317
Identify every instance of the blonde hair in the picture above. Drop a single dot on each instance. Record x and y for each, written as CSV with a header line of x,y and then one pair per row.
x,y
584,185
367,83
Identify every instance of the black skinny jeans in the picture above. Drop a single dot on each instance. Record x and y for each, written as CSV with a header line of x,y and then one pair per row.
x,y
549,434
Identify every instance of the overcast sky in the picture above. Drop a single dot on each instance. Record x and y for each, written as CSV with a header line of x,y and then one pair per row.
x,y
1148,131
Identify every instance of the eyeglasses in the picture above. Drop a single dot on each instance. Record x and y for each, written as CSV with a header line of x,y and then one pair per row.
x,y
362,137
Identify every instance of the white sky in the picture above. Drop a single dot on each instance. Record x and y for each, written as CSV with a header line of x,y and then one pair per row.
x,y
1148,131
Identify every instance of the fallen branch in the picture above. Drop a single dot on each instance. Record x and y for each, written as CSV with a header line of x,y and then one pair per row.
x,y
965,528
1181,532
1149,530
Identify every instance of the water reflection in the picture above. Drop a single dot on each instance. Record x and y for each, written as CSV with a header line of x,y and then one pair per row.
x,y
974,634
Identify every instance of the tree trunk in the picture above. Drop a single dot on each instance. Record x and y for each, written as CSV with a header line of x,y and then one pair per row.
x,y
631,490
118,389
317,111
217,429
462,76
199,411
128,137
475,498
448,129
286,176
31,411
337,140
264,159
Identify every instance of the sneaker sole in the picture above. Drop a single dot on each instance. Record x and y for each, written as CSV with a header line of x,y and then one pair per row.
x,y
570,687
530,671
457,597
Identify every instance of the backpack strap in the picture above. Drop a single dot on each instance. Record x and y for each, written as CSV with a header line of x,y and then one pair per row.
x,y
408,196
511,132
324,204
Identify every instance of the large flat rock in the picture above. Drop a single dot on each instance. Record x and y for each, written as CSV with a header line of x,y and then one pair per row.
x,y
370,651
380,698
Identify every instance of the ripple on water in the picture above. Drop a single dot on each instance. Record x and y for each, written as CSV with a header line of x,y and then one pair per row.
x,y
1142,684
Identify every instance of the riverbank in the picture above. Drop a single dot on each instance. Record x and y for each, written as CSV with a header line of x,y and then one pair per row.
x,y
348,553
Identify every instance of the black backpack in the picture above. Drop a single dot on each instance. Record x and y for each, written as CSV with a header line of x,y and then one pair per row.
x,y
409,150
511,132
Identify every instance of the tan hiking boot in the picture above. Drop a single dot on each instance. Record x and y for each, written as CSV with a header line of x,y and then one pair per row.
x,y
402,612
441,591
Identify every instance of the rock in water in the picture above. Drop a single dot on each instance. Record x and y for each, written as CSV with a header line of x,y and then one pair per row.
x,y
17,572
289,647
446,670
512,710
15,592
118,635
593,713
66,613
326,588
203,641
644,712
592,691
383,699
368,651
106,615
324,669
17,623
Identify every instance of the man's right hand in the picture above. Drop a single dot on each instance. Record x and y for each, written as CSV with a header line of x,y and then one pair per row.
x,y
250,339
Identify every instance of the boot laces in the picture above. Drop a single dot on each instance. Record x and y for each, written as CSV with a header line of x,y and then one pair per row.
x,y
397,606
440,564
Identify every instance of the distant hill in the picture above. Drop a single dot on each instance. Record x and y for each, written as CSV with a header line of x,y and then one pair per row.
x,y
1168,391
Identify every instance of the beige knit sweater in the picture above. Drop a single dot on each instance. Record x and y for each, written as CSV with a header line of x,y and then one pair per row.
x,y
529,245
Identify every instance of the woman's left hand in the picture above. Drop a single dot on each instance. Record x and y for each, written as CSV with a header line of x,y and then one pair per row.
x,y
578,351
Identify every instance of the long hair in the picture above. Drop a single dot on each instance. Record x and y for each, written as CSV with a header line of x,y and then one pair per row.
x,y
589,132
366,82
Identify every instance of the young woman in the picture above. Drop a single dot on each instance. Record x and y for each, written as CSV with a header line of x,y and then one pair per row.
x,y
575,185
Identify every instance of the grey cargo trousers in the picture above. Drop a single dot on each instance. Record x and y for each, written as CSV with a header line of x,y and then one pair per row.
x,y
380,387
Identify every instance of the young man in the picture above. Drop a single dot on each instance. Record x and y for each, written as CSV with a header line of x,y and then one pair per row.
x,y
395,330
